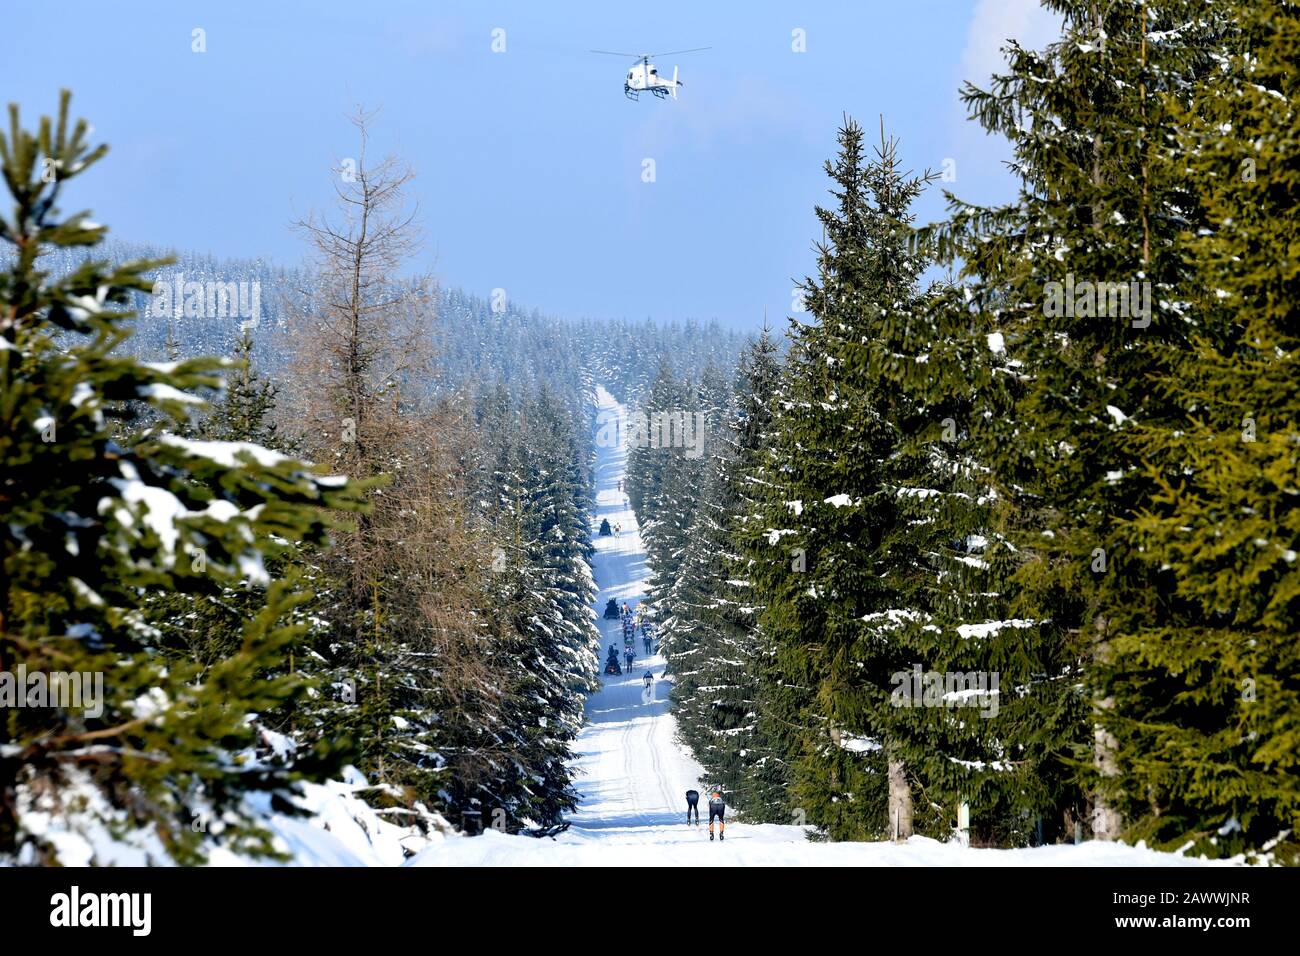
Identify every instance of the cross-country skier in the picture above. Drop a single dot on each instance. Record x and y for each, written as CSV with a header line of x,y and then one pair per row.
x,y
649,679
692,806
645,639
716,809
630,657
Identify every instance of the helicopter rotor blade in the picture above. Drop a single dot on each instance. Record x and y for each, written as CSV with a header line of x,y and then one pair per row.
x,y
680,52
633,56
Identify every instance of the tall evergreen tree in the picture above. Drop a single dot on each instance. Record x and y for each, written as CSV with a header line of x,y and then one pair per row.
x,y
543,591
1081,281
827,515
244,411
682,440
1206,696
647,460
710,637
158,746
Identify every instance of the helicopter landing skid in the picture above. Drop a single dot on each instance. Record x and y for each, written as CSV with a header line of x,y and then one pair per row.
x,y
632,94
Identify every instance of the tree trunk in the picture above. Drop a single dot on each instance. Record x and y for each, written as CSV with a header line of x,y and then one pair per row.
x,y
900,802
1106,821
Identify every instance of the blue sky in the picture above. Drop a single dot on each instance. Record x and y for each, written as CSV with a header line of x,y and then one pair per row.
x,y
529,162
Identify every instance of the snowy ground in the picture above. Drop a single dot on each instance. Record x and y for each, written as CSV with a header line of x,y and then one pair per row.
x,y
633,775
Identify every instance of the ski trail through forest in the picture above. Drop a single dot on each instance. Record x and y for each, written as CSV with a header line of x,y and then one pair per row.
x,y
632,775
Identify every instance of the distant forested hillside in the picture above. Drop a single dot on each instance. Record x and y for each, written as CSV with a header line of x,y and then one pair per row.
x,y
478,343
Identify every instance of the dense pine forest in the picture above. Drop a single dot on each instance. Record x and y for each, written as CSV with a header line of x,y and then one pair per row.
x,y
993,540
1008,533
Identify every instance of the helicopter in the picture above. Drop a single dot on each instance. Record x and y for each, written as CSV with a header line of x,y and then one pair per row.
x,y
645,76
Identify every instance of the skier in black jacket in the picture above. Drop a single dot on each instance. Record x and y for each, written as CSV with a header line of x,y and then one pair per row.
x,y
692,805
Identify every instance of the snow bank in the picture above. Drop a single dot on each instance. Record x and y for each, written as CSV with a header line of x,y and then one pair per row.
x,y
768,845
339,829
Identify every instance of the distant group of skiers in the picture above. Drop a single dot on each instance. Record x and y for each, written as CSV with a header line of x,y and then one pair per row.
x,y
631,623
631,620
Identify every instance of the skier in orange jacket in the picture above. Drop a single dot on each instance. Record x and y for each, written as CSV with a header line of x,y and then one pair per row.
x,y
716,809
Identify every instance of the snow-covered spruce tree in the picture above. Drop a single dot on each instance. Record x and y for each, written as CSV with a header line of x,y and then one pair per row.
x,y
208,627
881,380
680,441
712,645
1206,701
544,592
688,614
156,749
775,569
816,548
768,741
1084,280
244,412
648,459
954,715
